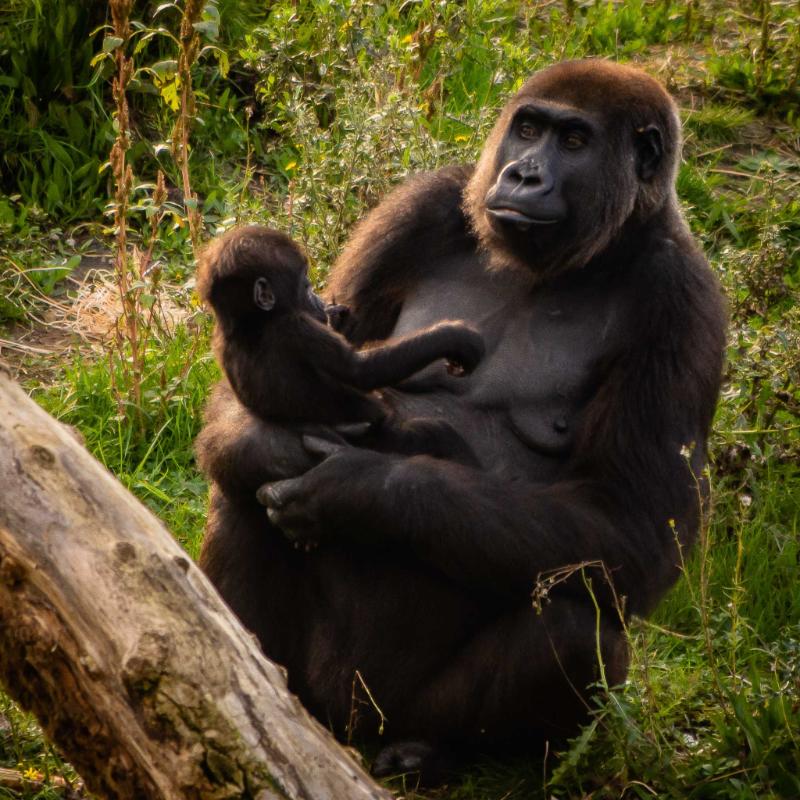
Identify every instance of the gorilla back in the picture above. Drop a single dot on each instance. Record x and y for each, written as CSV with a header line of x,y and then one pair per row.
x,y
604,333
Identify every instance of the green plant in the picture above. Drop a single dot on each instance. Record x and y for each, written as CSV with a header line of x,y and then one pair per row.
x,y
306,113
54,127
189,46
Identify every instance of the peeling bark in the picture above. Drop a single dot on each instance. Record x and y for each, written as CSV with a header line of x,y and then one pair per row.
x,y
124,651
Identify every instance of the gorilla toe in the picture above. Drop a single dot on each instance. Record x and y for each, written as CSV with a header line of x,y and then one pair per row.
x,y
416,757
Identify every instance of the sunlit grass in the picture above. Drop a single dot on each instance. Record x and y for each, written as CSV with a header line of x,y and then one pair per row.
x,y
346,100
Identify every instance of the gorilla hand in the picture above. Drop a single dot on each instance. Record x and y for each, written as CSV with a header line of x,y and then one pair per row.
x,y
330,501
240,452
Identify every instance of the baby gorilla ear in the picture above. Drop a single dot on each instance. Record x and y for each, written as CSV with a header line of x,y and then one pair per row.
x,y
263,296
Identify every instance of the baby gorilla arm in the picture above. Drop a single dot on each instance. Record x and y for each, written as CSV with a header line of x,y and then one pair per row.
x,y
389,364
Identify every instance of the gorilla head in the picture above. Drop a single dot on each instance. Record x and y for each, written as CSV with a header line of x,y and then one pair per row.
x,y
582,149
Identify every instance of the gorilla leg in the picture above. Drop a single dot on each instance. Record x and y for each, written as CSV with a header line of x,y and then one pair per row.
x,y
520,681
259,575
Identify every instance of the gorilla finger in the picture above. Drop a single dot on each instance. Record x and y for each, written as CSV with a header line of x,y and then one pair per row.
x,y
322,447
323,432
354,430
295,522
280,493
300,538
292,534
283,521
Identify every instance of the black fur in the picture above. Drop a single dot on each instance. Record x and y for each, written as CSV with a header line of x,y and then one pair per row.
x,y
588,418
286,364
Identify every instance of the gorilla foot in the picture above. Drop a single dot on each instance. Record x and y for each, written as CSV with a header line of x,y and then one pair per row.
x,y
430,764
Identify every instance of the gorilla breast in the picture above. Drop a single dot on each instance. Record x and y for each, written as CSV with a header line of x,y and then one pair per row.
x,y
521,407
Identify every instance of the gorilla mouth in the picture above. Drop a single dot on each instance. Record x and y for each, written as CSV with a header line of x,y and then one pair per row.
x,y
518,218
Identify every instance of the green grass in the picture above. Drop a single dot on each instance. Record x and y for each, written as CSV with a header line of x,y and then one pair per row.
x,y
22,748
315,111
154,457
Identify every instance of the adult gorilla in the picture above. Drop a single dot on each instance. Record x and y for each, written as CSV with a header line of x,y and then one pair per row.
x,y
604,333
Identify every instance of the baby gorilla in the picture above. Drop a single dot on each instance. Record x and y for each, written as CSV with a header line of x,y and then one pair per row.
x,y
286,363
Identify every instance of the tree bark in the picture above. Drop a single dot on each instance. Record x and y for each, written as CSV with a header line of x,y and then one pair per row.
x,y
123,650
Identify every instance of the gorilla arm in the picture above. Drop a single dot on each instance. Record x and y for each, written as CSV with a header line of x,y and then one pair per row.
x,y
627,496
478,529
239,452
394,247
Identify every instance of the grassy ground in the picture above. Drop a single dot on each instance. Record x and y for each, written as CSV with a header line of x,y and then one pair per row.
x,y
306,117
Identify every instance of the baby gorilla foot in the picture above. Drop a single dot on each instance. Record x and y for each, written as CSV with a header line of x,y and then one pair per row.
x,y
416,757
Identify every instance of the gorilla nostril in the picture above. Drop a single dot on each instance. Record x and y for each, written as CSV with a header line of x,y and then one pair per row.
x,y
523,174
523,177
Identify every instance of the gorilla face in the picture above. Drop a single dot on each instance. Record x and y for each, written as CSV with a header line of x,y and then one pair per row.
x,y
578,152
547,154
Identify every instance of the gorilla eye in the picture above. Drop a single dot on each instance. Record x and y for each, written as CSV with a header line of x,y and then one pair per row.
x,y
527,130
573,141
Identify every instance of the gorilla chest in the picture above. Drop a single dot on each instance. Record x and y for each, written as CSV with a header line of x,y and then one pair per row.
x,y
542,367
542,353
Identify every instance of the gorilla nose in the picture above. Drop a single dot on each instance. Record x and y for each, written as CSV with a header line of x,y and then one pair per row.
x,y
524,174
527,175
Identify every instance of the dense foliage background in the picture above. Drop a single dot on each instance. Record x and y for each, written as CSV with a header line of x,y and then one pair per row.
x,y
302,114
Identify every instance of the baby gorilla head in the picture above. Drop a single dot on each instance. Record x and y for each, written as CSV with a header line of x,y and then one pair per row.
x,y
285,363
253,271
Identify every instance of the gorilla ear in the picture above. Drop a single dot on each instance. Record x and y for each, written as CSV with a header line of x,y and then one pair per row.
x,y
649,151
263,296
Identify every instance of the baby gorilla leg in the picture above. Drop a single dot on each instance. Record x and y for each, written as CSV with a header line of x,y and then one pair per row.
x,y
424,435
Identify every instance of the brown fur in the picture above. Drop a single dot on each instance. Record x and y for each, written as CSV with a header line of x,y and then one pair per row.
x,y
627,100
604,347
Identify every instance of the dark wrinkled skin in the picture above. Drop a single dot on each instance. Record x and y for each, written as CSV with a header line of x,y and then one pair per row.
x,y
604,334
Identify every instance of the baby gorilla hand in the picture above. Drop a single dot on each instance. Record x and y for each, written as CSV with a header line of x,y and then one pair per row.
x,y
467,351
338,316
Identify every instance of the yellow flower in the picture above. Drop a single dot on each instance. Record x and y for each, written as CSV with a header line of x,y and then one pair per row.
x,y
32,775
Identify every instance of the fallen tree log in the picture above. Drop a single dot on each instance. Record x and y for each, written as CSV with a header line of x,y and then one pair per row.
x,y
117,642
